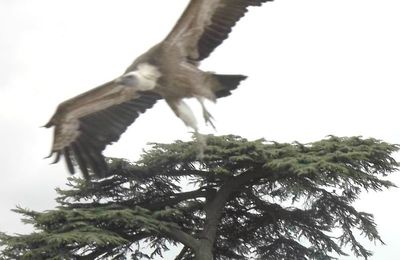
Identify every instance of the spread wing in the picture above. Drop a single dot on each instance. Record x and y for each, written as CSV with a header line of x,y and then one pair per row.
x,y
205,24
84,125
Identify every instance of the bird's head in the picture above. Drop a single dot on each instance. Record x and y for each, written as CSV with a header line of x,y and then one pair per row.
x,y
128,79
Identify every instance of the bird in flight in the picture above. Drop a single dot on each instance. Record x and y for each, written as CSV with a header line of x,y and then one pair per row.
x,y
84,125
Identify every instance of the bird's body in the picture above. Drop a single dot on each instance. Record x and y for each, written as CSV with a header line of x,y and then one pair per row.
x,y
178,77
85,124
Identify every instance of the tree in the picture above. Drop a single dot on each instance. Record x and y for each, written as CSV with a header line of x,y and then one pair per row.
x,y
243,199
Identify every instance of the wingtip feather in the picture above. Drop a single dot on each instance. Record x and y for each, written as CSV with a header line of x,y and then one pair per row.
x,y
49,156
68,161
57,159
48,124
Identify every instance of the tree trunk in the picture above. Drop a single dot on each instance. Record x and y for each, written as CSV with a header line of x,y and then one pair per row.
x,y
204,252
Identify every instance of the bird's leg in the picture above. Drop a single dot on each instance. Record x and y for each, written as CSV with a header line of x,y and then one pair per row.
x,y
183,111
208,118
201,141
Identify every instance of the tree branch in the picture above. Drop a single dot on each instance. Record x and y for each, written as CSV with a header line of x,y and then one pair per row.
x,y
181,236
146,173
215,206
173,199
182,253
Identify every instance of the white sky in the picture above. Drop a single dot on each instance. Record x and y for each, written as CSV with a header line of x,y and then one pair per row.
x,y
315,68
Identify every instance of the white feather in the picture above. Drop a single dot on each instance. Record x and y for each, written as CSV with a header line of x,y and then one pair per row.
x,y
186,114
147,76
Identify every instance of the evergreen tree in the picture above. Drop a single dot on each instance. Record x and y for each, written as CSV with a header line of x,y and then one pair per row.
x,y
242,200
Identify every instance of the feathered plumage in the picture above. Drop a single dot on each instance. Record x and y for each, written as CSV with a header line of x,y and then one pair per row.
x,y
86,124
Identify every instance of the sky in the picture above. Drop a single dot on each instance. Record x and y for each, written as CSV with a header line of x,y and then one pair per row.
x,y
315,68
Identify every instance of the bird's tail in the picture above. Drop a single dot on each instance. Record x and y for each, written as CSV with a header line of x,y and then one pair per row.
x,y
227,83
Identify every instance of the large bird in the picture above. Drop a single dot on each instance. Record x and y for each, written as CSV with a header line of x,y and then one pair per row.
x,y
85,124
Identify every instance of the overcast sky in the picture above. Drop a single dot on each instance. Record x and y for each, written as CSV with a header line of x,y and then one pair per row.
x,y
315,67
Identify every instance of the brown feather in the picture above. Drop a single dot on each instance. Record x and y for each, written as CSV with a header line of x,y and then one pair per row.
x,y
67,156
205,24
87,123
